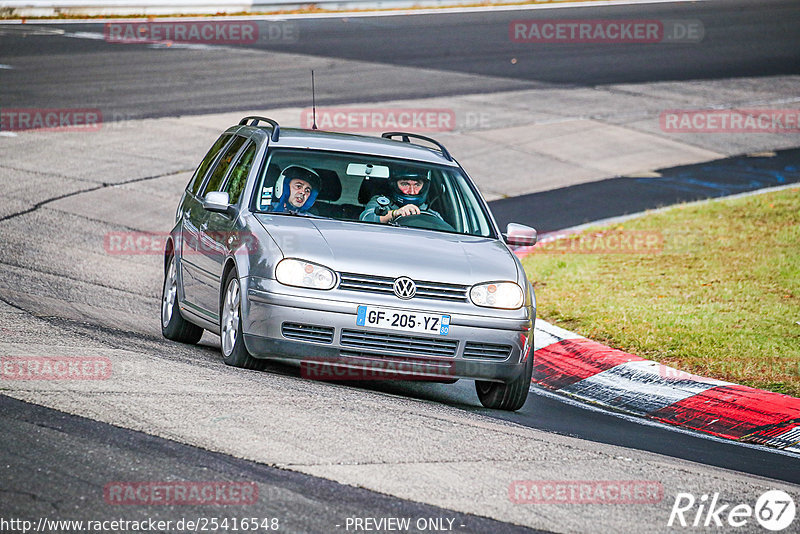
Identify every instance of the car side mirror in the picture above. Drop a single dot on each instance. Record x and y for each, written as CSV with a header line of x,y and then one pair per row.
x,y
519,235
218,202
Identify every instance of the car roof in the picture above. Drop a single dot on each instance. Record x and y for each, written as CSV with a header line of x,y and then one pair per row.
x,y
360,144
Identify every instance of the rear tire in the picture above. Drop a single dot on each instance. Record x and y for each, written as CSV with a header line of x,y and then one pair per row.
x,y
509,396
173,325
234,353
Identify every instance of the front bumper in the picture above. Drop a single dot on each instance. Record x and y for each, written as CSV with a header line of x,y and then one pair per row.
x,y
318,330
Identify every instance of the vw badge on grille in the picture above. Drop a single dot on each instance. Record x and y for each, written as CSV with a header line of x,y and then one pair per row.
x,y
404,287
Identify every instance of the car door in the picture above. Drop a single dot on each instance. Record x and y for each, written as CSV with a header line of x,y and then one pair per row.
x,y
213,231
190,215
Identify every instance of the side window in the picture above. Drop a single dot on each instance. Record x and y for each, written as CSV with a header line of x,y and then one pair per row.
x,y
215,180
238,176
199,174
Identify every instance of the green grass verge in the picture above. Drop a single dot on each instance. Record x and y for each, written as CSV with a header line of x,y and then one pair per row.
x,y
717,295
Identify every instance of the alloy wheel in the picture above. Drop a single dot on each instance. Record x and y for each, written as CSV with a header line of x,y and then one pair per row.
x,y
230,317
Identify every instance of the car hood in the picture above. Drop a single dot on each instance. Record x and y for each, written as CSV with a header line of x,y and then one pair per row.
x,y
392,251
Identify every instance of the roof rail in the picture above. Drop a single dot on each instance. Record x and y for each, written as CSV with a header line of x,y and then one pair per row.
x,y
405,137
276,129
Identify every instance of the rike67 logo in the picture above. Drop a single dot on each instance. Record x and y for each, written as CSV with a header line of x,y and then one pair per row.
x,y
774,510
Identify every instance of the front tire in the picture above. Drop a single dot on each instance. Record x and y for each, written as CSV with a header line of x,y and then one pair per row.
x,y
173,325
234,352
509,396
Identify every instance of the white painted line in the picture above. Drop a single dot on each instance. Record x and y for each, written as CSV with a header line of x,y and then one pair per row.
x,y
369,14
486,9
166,45
640,387
8,134
86,35
8,67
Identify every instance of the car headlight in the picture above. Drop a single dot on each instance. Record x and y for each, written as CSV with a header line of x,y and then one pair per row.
x,y
506,295
299,273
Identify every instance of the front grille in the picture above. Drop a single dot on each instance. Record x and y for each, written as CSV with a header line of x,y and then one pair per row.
x,y
399,343
307,332
474,349
384,285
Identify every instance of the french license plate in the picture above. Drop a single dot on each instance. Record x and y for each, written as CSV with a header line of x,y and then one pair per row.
x,y
407,321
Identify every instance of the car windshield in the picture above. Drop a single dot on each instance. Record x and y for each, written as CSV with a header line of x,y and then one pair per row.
x,y
361,188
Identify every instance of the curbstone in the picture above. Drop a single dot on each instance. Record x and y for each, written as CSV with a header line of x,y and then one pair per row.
x,y
571,365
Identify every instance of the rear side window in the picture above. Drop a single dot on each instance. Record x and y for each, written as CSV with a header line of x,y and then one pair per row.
x,y
241,170
218,174
199,174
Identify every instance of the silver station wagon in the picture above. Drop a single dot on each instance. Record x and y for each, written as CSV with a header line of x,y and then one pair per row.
x,y
356,257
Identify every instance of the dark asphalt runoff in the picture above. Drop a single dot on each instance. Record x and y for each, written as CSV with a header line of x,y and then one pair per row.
x,y
367,59
571,206
57,466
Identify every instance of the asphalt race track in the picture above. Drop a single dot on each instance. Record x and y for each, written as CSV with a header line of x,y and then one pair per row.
x,y
322,454
386,58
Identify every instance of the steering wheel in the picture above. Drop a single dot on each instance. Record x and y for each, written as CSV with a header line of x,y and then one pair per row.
x,y
425,220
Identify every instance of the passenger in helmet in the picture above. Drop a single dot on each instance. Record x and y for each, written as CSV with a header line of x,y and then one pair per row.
x,y
408,196
296,190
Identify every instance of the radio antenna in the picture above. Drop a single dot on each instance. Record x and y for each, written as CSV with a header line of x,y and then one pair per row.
x,y
313,102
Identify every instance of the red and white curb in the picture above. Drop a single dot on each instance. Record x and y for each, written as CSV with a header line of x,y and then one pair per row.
x,y
572,365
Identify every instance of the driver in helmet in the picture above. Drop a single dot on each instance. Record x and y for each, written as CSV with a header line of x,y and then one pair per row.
x,y
296,190
408,191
